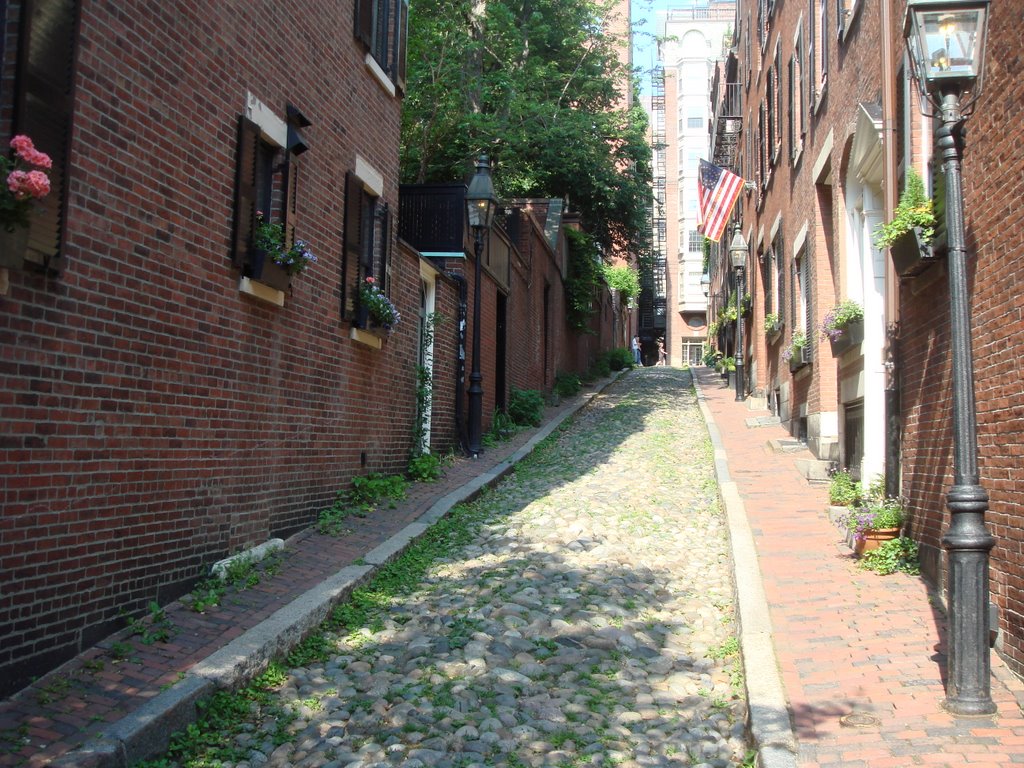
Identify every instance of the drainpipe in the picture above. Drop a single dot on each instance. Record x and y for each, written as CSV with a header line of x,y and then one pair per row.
x,y
892,308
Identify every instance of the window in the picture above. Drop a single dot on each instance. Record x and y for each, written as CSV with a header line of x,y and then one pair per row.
x,y
696,242
381,26
694,122
266,184
367,244
797,116
43,103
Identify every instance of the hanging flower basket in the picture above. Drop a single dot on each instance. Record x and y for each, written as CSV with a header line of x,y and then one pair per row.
x,y
911,254
851,336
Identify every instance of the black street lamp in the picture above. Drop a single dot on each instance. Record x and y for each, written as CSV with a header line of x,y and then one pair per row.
x,y
481,205
738,254
946,43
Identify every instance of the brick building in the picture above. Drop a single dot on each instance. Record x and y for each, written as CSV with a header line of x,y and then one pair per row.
x,y
168,394
830,128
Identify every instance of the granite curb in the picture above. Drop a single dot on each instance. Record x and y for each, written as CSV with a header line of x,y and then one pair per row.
x,y
770,726
146,732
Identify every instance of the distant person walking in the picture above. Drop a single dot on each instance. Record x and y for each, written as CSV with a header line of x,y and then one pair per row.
x,y
636,350
662,354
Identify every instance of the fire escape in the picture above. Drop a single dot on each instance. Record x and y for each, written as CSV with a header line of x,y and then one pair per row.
x,y
653,266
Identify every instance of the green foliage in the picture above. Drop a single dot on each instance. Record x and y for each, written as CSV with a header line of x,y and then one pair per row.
x,y
844,491
913,210
567,384
502,429
240,573
899,554
539,87
771,322
583,279
619,358
158,628
525,407
425,468
623,279
359,501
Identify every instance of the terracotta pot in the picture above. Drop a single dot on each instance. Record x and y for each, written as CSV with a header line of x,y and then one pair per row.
x,y
874,539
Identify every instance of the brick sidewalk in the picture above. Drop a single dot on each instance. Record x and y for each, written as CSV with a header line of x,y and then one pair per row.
x,y
76,702
850,642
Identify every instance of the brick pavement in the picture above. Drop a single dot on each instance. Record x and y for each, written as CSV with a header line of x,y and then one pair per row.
x,y
850,642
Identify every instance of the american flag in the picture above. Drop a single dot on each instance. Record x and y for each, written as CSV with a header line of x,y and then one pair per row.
x,y
717,191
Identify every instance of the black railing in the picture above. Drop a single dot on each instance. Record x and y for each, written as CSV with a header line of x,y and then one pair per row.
x,y
432,218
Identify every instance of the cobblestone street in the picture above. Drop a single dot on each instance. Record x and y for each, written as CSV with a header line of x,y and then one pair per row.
x,y
588,621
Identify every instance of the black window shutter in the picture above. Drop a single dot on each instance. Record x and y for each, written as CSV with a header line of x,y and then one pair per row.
x,y
401,27
385,249
245,190
43,110
352,239
364,21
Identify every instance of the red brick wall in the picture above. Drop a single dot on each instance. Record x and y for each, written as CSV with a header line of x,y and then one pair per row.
x,y
154,419
992,167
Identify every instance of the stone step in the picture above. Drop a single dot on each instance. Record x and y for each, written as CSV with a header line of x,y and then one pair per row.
x,y
763,421
786,445
815,470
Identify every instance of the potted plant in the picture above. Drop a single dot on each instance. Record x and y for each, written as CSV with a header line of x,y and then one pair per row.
x,y
772,326
375,309
909,235
25,181
878,520
272,263
796,352
843,326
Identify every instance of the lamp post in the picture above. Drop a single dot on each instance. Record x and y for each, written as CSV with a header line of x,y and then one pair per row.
x,y
946,43
738,254
481,205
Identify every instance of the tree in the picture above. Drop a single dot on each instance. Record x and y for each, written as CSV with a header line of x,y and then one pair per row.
x,y
537,85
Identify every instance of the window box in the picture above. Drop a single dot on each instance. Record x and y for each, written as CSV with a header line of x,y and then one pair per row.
x,y
264,270
853,335
800,358
911,255
13,246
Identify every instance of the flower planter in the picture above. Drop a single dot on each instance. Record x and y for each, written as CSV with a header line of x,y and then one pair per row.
x,y
13,246
910,254
853,334
774,333
873,539
800,358
263,269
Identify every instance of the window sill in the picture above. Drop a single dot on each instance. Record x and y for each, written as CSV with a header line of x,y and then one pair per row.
x,y
374,340
260,292
381,75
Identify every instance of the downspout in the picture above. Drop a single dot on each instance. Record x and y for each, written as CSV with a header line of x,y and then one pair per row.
x,y
893,428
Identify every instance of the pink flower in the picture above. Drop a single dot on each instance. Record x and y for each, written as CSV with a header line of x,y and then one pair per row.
x,y
370,280
26,184
22,144
38,159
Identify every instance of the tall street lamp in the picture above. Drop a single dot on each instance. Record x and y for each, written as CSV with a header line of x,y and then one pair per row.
x,y
481,205
946,43
738,253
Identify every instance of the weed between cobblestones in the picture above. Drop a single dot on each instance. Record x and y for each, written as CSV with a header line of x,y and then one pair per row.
x,y
463,595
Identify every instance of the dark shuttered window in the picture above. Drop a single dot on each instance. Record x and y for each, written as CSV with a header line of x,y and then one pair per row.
x,y
381,25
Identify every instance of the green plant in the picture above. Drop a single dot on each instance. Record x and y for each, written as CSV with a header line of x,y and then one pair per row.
x,y
567,384
844,491
599,369
624,279
368,490
377,305
270,238
525,407
728,364
502,428
796,345
771,322
159,628
914,210
834,324
876,515
899,554
583,279
619,358
713,327
425,468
